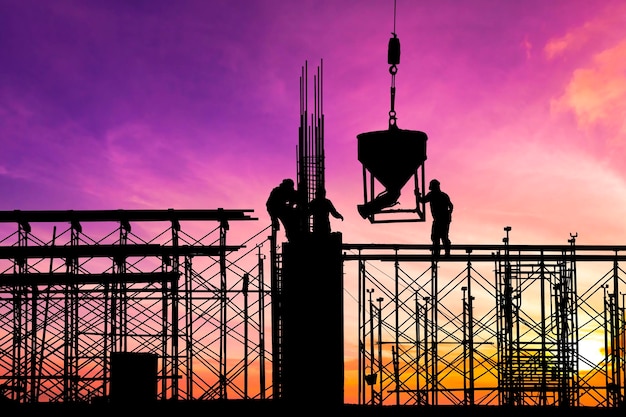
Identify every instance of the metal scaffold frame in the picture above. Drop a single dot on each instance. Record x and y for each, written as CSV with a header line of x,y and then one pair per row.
x,y
71,300
494,325
512,327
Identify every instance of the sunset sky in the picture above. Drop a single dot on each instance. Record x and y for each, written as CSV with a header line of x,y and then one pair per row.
x,y
195,104
186,104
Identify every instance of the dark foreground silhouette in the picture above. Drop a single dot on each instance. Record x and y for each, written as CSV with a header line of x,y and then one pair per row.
x,y
270,407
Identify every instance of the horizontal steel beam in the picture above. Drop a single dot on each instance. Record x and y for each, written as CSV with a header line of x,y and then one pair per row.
x,y
127,250
30,279
21,216
524,257
487,247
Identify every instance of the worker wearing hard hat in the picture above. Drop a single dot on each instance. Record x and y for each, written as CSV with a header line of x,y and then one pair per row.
x,y
441,209
281,206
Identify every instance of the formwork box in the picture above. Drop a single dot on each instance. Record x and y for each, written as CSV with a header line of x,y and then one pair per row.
x,y
133,377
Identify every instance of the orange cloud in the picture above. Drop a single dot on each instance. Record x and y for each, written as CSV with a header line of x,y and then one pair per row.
x,y
597,94
558,46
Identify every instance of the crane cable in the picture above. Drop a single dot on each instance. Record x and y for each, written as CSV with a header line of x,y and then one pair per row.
x,y
393,59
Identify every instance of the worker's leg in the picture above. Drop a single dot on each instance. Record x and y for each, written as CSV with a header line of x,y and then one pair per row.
x,y
446,238
435,238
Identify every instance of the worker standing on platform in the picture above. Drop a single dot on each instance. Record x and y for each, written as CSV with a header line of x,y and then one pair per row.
x,y
281,206
321,208
441,209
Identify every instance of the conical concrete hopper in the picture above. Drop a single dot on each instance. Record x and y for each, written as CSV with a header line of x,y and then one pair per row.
x,y
392,156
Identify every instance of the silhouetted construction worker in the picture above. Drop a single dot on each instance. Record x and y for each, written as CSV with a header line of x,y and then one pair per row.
x,y
441,209
321,208
281,206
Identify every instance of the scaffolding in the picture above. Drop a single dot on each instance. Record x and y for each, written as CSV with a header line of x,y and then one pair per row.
x,y
489,325
521,334
71,300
